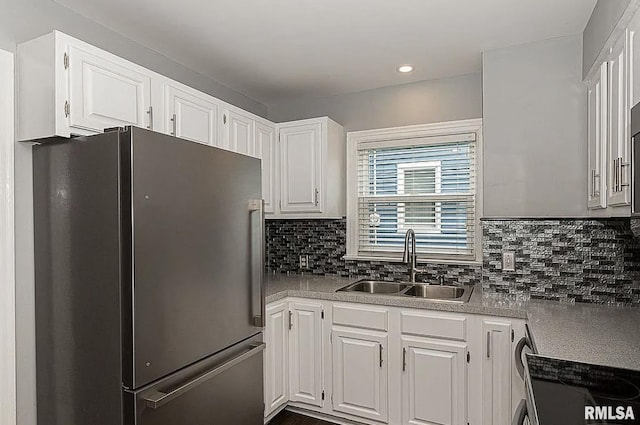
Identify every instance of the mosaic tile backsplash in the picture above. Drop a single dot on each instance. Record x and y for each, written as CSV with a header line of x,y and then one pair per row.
x,y
581,260
324,241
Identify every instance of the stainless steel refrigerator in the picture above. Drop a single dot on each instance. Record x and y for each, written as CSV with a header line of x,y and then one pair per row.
x,y
149,282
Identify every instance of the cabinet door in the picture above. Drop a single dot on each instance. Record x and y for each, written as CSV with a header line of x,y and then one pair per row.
x,y
191,116
240,133
276,365
360,374
597,105
265,138
619,116
434,382
496,373
301,168
305,355
105,93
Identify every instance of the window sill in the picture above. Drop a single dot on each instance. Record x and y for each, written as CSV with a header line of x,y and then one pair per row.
x,y
420,261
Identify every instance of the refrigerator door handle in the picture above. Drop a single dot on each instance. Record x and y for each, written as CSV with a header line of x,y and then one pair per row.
x,y
157,399
256,207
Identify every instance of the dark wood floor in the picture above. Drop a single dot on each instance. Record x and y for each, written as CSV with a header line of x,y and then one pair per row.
x,y
289,418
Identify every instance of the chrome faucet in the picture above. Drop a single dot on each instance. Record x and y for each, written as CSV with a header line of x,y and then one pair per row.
x,y
410,255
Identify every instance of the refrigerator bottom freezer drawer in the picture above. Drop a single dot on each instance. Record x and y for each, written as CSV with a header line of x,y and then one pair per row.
x,y
224,389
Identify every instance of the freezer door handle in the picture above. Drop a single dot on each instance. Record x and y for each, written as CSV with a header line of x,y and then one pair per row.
x,y
157,399
256,209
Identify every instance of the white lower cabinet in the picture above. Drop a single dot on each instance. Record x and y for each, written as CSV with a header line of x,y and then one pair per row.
x,y
496,372
305,353
360,366
276,369
434,382
379,365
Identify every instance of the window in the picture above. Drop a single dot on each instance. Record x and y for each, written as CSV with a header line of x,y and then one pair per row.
x,y
415,178
424,180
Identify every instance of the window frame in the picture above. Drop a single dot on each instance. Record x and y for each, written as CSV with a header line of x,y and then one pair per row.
x,y
400,135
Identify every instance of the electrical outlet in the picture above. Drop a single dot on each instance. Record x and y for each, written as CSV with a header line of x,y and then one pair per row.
x,y
304,261
508,261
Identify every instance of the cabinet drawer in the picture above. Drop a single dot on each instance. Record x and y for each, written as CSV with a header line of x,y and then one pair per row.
x,y
434,325
361,317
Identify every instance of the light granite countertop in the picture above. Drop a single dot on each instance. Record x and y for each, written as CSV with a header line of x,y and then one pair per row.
x,y
599,334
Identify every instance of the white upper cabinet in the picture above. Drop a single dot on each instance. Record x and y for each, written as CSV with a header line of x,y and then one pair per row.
x,y
239,132
619,122
265,143
106,91
612,92
190,114
69,87
312,169
597,98
302,162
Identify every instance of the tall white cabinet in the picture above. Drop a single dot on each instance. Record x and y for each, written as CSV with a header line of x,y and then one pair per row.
x,y
311,171
301,173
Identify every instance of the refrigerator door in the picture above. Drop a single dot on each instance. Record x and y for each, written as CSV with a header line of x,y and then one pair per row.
x,y
223,389
196,277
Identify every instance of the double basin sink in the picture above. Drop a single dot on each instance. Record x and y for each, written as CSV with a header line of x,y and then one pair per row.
x,y
457,294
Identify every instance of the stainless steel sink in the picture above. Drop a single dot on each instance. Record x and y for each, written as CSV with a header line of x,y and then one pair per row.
x,y
441,292
456,294
375,287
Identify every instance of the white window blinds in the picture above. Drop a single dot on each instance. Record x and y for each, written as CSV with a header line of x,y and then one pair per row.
x,y
426,184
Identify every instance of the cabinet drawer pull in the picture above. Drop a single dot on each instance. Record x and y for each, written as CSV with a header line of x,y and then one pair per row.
x,y
173,125
316,197
380,345
290,320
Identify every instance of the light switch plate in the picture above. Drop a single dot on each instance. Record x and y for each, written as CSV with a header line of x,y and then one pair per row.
x,y
508,261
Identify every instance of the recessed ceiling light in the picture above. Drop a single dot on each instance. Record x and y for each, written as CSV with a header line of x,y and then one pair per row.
x,y
405,68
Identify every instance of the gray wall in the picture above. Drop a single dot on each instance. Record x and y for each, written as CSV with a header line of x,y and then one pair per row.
x,y
423,102
603,19
22,20
535,141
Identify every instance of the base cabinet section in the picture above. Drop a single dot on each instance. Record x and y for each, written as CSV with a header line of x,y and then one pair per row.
x,y
360,374
374,364
276,391
496,372
305,355
434,382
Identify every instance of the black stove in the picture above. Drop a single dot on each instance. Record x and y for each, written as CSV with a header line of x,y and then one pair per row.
x,y
563,392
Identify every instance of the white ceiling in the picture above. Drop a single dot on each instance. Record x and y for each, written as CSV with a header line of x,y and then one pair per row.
x,y
271,50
